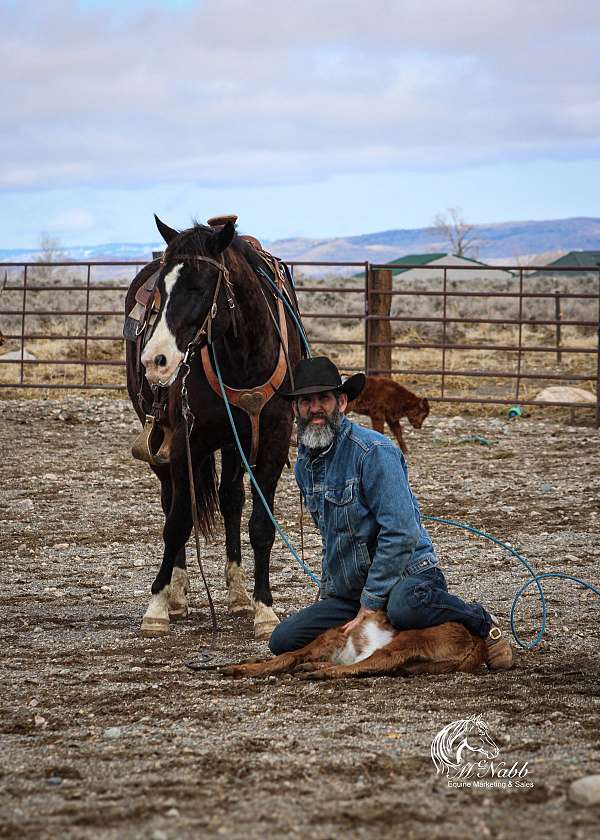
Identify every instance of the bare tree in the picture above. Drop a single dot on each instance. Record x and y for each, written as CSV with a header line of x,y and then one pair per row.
x,y
50,248
50,251
462,238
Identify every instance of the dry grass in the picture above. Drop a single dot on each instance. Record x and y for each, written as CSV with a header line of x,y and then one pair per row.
x,y
65,347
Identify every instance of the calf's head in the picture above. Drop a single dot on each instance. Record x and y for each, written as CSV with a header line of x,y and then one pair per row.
x,y
417,413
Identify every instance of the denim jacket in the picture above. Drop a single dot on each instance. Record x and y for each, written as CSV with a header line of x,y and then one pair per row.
x,y
358,494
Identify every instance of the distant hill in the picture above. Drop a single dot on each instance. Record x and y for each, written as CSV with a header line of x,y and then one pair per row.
x,y
503,241
108,252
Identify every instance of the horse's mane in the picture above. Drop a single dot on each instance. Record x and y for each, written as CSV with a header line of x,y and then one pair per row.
x,y
240,256
197,239
193,240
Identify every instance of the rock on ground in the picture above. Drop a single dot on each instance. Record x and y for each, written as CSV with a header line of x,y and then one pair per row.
x,y
586,791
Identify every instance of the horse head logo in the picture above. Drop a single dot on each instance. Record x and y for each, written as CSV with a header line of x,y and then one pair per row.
x,y
468,734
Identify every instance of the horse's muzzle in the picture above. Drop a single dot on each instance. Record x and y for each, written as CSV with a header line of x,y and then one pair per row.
x,y
163,375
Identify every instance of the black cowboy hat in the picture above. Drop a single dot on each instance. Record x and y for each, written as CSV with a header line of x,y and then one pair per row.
x,y
320,374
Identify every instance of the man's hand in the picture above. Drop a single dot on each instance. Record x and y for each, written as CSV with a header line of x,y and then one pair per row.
x,y
360,617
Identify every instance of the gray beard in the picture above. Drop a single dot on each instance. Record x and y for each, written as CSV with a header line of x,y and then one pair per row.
x,y
319,437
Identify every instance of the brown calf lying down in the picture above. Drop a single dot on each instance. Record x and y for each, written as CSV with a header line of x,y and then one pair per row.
x,y
373,648
387,401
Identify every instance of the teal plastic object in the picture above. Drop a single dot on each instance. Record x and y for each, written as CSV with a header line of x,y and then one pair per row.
x,y
514,411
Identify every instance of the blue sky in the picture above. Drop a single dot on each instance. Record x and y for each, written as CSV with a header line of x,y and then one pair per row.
x,y
307,118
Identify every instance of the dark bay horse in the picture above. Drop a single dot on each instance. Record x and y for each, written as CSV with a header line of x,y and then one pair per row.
x,y
242,315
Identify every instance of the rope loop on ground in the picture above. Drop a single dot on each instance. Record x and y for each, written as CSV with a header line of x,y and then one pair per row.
x,y
535,578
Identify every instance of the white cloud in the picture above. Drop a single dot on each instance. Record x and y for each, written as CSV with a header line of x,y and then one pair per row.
x,y
274,92
71,220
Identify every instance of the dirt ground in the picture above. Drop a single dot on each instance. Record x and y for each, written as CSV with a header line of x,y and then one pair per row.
x,y
108,735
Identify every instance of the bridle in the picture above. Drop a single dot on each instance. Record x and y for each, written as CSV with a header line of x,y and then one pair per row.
x,y
205,328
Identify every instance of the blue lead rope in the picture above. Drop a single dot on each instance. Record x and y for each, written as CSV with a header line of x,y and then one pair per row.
x,y
248,469
534,579
526,586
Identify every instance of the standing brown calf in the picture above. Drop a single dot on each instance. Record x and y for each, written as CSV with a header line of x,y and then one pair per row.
x,y
387,401
375,647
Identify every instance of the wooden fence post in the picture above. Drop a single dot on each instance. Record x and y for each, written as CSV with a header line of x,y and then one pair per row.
x,y
379,359
557,317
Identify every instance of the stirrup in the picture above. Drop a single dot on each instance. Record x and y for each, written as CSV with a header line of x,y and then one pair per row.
x,y
146,446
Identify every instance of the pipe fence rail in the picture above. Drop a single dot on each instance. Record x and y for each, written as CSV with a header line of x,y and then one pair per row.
x,y
471,333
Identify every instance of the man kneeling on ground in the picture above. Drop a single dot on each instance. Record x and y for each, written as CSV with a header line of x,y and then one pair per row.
x,y
376,553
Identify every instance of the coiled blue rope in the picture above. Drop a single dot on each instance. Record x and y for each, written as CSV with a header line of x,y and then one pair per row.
x,y
534,579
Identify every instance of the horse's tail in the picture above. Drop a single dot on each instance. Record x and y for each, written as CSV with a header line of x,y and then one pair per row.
x,y
207,494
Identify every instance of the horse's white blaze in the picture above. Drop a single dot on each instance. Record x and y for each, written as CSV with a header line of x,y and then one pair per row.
x,y
162,342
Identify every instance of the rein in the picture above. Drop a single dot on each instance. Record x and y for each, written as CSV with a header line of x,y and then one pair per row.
x,y
187,414
205,330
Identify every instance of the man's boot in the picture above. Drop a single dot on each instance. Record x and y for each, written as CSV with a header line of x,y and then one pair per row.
x,y
499,652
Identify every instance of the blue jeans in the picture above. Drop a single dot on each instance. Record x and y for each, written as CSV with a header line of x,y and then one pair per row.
x,y
415,602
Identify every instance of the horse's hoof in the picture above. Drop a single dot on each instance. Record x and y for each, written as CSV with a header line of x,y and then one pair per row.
x,y
241,608
238,601
265,621
263,630
178,613
155,626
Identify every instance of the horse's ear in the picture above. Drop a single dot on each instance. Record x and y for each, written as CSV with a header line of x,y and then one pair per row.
x,y
165,231
224,237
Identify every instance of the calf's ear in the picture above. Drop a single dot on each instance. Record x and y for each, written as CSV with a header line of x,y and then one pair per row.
x,y
165,231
